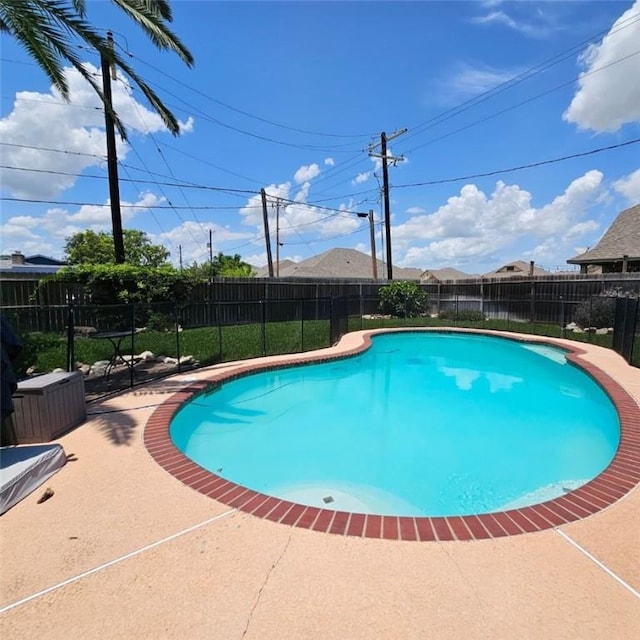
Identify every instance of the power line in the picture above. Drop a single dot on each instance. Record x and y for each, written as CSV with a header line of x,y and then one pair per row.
x,y
183,185
246,113
520,167
171,172
512,82
72,153
128,206
225,125
153,215
211,164
524,102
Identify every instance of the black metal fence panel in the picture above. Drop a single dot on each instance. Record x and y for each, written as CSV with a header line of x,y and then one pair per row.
x,y
118,346
626,327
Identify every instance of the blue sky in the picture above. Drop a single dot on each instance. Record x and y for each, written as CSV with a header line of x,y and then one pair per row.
x,y
289,95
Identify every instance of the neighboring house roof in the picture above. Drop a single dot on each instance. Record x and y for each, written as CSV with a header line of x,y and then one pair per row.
x,y
448,273
516,268
622,238
342,263
38,258
17,263
263,272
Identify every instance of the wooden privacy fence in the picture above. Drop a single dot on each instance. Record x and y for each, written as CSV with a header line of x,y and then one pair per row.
x,y
536,299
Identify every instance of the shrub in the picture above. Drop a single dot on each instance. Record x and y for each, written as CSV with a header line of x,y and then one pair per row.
x,y
403,299
464,316
34,345
598,312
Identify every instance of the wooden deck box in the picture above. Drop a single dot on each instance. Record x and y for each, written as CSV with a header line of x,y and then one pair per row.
x,y
46,406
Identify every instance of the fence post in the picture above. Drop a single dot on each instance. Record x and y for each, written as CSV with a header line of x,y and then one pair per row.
x,y
263,327
177,325
562,332
301,303
331,321
532,303
456,313
219,332
70,338
133,333
590,318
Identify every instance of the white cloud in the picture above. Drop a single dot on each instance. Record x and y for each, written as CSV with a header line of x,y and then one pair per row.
x,y
193,238
415,210
361,177
330,162
46,234
295,221
537,29
473,226
306,173
607,100
469,80
629,187
44,120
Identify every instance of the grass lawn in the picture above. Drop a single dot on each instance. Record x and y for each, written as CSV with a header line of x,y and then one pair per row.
x,y
206,344
209,345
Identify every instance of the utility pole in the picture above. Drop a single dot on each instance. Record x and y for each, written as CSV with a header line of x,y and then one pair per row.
x,y
374,262
277,237
210,246
180,253
385,194
265,216
112,157
374,266
385,188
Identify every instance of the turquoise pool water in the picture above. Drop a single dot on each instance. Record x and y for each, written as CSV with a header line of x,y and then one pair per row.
x,y
422,424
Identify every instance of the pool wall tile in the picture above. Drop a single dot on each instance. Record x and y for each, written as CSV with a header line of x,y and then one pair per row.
x,y
278,513
425,529
621,476
492,525
443,532
291,517
390,527
475,527
308,518
459,528
373,528
340,522
526,525
323,521
407,528
356,524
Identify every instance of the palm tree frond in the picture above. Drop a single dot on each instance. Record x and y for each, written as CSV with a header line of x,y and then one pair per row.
x,y
145,13
170,121
47,29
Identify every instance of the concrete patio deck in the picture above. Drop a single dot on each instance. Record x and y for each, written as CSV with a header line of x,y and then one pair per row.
x,y
123,549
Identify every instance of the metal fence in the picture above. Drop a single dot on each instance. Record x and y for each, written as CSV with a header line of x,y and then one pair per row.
x,y
119,346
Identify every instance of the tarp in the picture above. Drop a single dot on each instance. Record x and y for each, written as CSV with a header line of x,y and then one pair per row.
x,y
23,469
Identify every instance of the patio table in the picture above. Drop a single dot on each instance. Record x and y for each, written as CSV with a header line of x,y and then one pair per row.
x,y
116,338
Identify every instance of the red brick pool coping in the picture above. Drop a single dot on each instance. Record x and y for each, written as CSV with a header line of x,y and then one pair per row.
x,y
620,477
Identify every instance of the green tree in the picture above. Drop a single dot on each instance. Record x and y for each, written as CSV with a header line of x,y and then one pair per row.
x,y
89,247
231,266
50,30
222,266
403,299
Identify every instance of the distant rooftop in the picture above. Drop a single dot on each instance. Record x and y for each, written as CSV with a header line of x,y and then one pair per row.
x,y
621,239
36,264
340,263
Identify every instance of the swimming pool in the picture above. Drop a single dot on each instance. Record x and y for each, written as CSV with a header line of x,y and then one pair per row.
x,y
422,424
